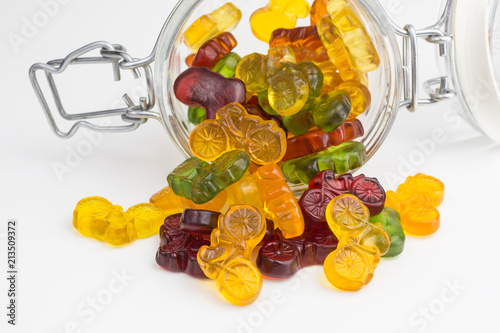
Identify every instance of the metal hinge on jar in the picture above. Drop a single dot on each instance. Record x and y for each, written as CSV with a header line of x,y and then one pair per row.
x,y
437,89
132,115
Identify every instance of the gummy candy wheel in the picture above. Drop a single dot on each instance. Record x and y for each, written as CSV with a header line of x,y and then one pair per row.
x,y
314,203
86,210
347,268
93,206
348,211
371,194
243,222
208,140
240,282
266,146
278,259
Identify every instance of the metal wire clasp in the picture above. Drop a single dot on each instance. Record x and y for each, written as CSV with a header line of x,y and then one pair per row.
x,y
437,89
132,115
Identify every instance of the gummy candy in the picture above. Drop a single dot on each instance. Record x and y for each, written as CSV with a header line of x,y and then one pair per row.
x,y
257,110
359,96
391,223
417,200
280,204
227,65
331,110
368,190
315,141
354,34
342,158
288,90
178,249
326,112
277,14
304,41
318,10
214,50
246,191
234,128
183,178
198,222
314,77
282,258
172,204
227,259
196,115
331,76
225,18
337,50
200,87
200,182
361,244
189,60
278,56
263,98
98,218
252,70
147,219
324,187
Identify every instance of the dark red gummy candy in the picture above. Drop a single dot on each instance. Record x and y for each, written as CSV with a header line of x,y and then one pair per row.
x,y
324,187
282,258
200,87
213,50
178,248
199,222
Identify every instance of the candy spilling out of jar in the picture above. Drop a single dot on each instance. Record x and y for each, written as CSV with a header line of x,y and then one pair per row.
x,y
265,122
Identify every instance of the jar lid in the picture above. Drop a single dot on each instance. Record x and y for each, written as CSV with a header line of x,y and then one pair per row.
x,y
476,30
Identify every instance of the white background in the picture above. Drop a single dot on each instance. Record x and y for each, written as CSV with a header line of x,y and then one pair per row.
x,y
60,271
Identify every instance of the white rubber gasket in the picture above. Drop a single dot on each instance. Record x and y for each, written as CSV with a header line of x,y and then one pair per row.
x,y
474,64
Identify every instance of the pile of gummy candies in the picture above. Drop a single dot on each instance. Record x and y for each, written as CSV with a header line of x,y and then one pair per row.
x,y
288,117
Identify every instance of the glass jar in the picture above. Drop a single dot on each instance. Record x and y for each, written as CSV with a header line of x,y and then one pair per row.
x,y
464,38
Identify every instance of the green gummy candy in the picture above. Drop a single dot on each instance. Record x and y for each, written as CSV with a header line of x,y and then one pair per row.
x,y
391,222
342,158
301,122
227,65
182,179
314,77
223,172
331,110
196,115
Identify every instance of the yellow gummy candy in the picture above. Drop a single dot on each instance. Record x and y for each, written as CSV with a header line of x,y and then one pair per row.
x,y
148,219
87,210
121,229
354,34
225,18
227,259
277,14
359,95
337,50
246,191
361,244
97,218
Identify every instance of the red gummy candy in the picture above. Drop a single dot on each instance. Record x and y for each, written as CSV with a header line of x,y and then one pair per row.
x,y
324,187
214,50
282,258
200,87
316,141
178,248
